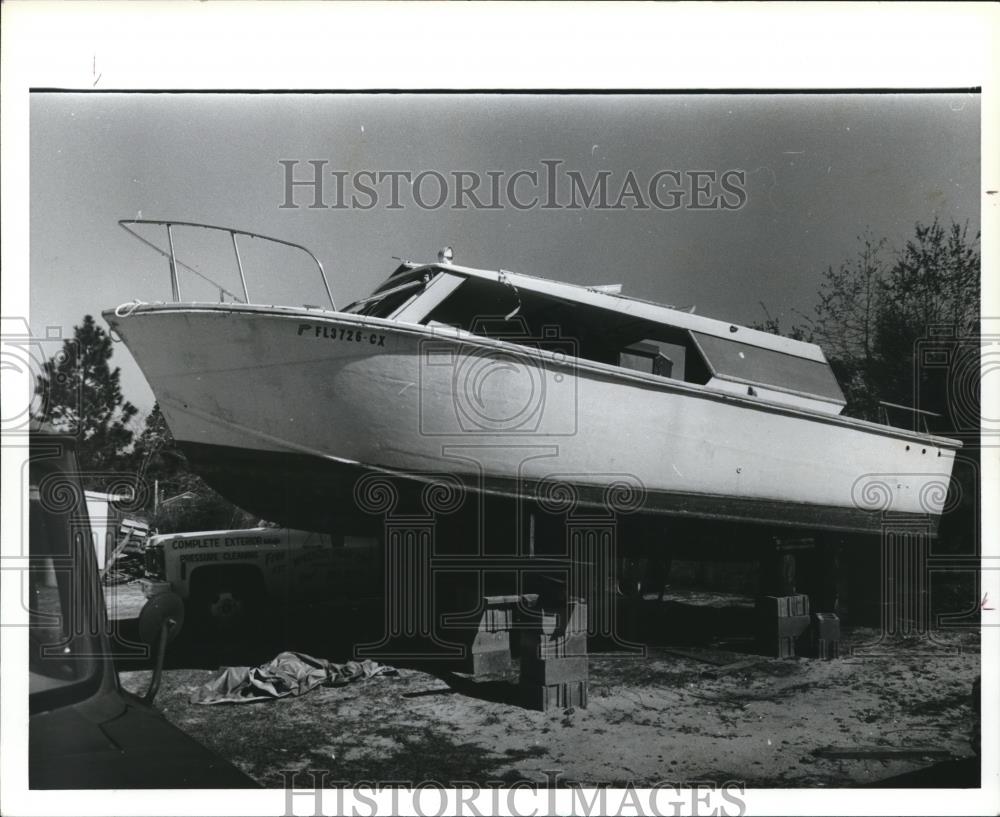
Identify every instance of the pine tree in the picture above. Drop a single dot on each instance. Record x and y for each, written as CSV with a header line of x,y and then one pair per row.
x,y
82,394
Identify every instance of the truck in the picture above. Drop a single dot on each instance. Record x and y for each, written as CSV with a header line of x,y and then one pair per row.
x,y
228,578
85,731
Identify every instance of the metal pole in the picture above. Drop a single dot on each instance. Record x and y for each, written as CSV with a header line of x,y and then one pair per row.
x,y
326,284
239,263
175,289
161,651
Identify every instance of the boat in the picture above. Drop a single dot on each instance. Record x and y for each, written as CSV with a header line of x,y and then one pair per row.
x,y
519,387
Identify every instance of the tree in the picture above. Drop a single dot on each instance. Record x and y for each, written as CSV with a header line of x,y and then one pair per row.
x,y
82,394
846,319
189,504
933,287
155,454
773,325
876,307
849,301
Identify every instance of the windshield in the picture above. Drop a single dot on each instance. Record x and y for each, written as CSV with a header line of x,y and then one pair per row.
x,y
391,294
60,596
745,363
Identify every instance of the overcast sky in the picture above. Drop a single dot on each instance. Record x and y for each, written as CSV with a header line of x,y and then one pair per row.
x,y
819,170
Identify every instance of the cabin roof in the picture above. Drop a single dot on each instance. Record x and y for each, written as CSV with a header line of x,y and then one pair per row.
x,y
633,307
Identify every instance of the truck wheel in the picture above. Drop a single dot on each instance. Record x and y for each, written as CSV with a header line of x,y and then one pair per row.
x,y
230,605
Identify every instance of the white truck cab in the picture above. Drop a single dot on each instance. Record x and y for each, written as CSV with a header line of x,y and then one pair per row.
x,y
226,576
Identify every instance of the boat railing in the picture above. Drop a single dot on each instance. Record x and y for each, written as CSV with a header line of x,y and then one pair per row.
x,y
919,416
175,264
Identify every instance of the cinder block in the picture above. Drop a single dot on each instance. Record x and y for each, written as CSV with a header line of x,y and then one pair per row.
x,y
778,636
826,626
821,648
510,599
491,663
548,671
555,696
498,613
490,642
528,601
793,626
554,633
570,619
798,605
824,635
577,617
496,619
782,606
537,645
777,647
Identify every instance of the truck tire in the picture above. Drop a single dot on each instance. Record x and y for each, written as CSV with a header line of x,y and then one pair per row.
x,y
229,602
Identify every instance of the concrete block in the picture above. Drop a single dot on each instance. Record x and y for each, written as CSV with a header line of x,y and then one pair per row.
x,y
821,648
798,605
558,632
497,619
490,642
548,671
826,626
511,600
777,647
529,601
778,636
577,617
491,663
555,696
794,626
782,606
824,636
782,625
536,645
498,613
570,619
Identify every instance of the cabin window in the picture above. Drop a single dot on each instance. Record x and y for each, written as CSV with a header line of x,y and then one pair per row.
x,y
418,308
581,331
389,296
480,307
744,363
649,357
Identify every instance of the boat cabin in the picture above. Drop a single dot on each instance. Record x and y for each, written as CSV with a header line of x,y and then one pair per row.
x,y
600,325
596,324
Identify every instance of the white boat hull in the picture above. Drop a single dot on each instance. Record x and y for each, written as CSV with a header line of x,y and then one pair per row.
x,y
285,409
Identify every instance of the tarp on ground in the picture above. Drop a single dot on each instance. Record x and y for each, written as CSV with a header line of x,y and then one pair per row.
x,y
289,674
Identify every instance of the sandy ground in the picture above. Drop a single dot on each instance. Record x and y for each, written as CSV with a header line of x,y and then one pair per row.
x,y
656,718
124,601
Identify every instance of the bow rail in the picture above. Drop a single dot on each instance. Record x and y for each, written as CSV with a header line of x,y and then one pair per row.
x,y
919,416
171,256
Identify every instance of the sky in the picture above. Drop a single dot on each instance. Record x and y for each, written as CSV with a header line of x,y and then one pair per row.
x,y
819,170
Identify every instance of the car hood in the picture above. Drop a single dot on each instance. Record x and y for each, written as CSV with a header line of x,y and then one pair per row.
x,y
137,749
